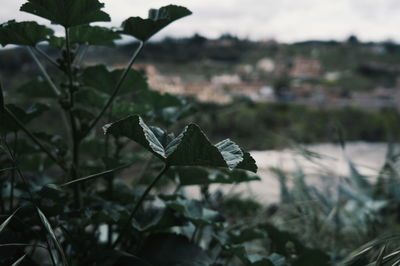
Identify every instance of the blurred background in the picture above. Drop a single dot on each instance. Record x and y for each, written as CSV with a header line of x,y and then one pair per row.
x,y
266,73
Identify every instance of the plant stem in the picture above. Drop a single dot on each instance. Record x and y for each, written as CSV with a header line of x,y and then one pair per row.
x,y
41,52
74,127
34,139
138,204
44,72
116,90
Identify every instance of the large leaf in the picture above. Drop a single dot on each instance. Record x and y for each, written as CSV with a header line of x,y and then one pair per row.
x,y
187,176
90,35
172,250
99,78
190,148
23,33
67,13
143,29
135,129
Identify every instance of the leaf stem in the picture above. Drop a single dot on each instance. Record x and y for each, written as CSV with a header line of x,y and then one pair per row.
x,y
44,72
34,139
138,204
116,90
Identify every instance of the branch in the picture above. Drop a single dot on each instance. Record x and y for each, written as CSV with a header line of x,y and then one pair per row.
x,y
138,204
44,72
116,90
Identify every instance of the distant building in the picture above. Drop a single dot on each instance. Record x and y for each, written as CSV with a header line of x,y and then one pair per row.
x,y
266,65
306,68
226,79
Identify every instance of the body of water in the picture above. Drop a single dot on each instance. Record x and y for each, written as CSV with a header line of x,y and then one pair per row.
x,y
315,161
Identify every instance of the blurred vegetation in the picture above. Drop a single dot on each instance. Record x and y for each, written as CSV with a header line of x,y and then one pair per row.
x,y
274,124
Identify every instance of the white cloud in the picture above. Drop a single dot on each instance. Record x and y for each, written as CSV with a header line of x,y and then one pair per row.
x,y
286,20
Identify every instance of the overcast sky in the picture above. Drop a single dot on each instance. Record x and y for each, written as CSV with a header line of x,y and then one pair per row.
x,y
284,20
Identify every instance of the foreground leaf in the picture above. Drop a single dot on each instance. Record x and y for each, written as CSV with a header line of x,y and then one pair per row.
x,y
23,33
67,13
143,29
190,148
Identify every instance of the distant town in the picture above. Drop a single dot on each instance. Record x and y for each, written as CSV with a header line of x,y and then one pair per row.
x,y
327,74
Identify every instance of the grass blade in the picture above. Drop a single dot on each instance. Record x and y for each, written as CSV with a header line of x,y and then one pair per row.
x,y
19,260
7,221
87,178
380,257
50,230
1,99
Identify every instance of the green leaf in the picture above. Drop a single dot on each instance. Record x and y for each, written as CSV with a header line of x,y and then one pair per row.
x,y
67,13
135,129
156,219
99,78
24,116
50,230
89,35
23,33
18,262
245,235
188,176
37,88
231,152
240,252
143,29
164,107
193,210
159,107
172,250
248,163
190,148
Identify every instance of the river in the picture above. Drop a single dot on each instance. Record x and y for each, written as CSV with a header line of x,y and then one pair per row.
x,y
328,160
